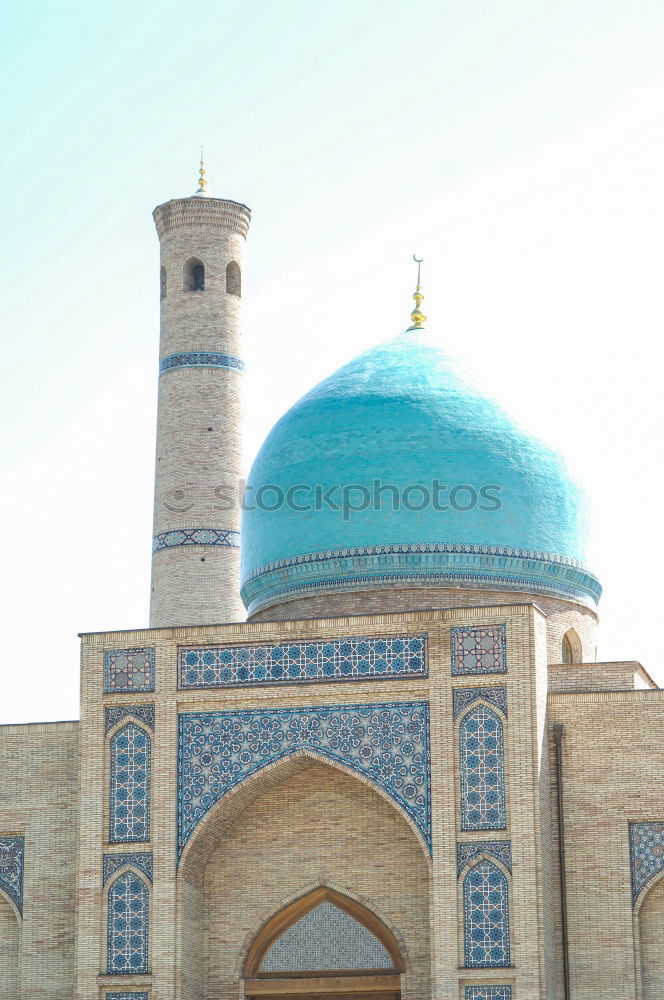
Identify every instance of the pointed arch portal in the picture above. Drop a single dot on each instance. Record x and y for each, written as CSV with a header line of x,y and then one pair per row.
x,y
324,944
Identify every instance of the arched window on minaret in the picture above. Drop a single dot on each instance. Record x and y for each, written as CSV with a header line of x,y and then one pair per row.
x,y
194,275
233,279
162,284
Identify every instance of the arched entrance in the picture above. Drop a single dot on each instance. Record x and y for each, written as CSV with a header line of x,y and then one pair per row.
x,y
324,944
299,826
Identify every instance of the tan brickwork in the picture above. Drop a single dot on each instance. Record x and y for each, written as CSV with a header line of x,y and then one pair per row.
x,y
198,465
560,615
39,801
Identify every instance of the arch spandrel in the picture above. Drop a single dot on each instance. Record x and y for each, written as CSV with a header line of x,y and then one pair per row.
x,y
386,745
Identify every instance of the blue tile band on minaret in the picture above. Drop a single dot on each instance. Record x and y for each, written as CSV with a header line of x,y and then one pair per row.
x,y
196,536
387,743
201,359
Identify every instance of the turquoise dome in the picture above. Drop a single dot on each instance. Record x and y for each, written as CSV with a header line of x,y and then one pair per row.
x,y
343,493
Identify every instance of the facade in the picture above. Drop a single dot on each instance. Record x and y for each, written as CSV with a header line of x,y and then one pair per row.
x,y
404,775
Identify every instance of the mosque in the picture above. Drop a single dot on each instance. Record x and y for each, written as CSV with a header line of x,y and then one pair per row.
x,y
364,749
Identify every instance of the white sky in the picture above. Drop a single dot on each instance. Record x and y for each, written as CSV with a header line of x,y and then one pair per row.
x,y
519,149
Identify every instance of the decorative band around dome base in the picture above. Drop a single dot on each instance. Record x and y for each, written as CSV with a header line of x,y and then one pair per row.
x,y
483,567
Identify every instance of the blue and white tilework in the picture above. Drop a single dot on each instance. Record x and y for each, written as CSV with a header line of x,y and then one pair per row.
x,y
486,917
501,850
348,659
196,536
116,713
488,993
646,849
201,359
463,697
326,938
12,853
127,996
387,743
128,925
478,649
482,771
128,670
130,785
114,862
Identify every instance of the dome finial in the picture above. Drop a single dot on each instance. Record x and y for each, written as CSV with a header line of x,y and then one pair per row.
x,y
417,315
202,183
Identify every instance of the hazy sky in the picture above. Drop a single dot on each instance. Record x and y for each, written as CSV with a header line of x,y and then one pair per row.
x,y
517,146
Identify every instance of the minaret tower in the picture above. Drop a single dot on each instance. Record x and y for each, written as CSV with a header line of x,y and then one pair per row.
x,y
196,536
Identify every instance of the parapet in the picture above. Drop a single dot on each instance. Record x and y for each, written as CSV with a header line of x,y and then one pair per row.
x,y
627,675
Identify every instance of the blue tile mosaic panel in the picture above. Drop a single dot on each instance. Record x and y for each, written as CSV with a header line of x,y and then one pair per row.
x,y
128,925
488,993
127,996
196,536
646,849
501,850
482,771
387,743
486,917
326,938
114,862
12,854
200,359
348,659
130,785
478,649
116,713
128,670
463,697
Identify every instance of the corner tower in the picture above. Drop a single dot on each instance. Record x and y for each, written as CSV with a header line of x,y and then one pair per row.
x,y
198,467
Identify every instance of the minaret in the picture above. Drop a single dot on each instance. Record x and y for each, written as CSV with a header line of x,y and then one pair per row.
x,y
196,536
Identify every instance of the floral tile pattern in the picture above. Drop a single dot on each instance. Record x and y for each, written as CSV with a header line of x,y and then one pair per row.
x,y
114,862
12,851
501,850
387,743
646,848
463,697
116,713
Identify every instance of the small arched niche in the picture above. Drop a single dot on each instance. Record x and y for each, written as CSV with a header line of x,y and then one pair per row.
x,y
325,934
651,920
194,275
233,279
571,651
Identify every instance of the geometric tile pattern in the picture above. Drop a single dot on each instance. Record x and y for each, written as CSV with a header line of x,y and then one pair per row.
x,y
326,938
130,785
646,849
128,925
12,850
482,771
349,659
488,993
196,536
127,996
486,917
463,697
114,862
128,670
478,649
501,850
387,743
200,359
116,713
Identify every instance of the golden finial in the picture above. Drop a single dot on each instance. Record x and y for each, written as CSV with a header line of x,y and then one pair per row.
x,y
202,183
417,315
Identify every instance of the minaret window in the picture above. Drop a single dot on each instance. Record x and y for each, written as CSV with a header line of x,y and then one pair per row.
x,y
194,275
233,279
162,284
